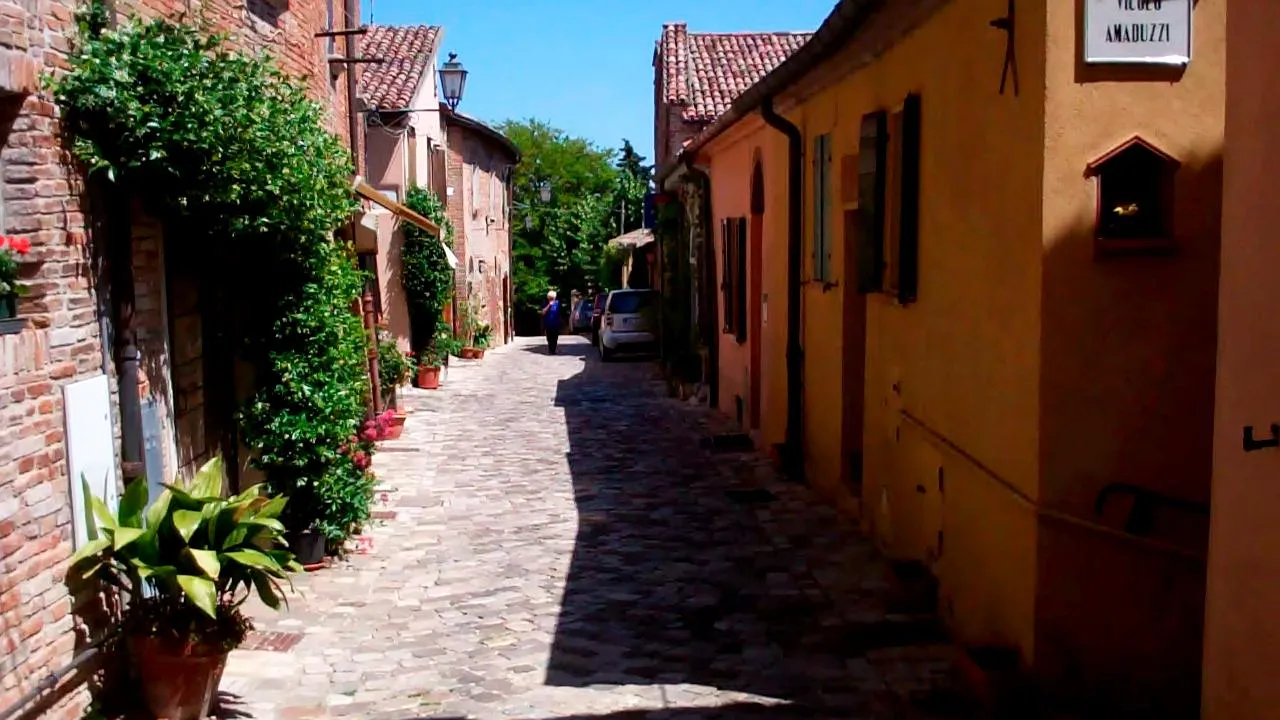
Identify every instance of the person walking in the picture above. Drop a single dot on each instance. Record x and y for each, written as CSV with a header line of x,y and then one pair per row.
x,y
551,321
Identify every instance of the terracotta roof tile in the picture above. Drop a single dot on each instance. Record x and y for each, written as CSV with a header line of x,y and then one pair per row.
x,y
706,71
406,51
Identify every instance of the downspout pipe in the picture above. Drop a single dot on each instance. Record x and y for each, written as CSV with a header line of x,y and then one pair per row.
x,y
707,286
792,450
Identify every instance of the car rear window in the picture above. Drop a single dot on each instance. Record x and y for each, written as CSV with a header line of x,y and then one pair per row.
x,y
632,302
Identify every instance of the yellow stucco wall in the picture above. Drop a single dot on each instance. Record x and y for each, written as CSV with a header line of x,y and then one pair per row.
x,y
1028,374
1127,380
1242,624
729,162
964,357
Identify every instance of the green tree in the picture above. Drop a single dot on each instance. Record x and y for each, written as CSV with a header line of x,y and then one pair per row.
x,y
634,178
561,245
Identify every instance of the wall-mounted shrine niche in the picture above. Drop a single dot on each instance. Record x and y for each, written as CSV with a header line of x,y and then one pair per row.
x,y
1134,186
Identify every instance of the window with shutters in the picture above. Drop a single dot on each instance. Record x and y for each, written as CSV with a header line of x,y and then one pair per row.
x,y
733,279
822,210
888,207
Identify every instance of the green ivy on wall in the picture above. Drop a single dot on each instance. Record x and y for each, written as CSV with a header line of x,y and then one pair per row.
x,y
425,273
235,160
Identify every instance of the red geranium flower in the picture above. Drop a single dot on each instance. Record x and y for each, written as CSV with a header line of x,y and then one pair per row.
x,y
22,246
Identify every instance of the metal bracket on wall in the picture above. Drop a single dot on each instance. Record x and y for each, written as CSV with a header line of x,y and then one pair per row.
x,y
1007,24
1251,444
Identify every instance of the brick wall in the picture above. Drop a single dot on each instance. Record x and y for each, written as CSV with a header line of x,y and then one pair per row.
x,y
479,213
62,342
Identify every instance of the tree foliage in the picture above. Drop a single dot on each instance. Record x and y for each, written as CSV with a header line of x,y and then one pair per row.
x,y
596,194
235,160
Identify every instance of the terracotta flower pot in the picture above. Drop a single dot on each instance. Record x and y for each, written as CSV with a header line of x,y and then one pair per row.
x,y
396,427
479,353
429,378
175,686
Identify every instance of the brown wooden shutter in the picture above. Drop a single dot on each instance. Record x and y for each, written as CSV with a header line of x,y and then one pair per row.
x,y
909,206
740,301
872,147
439,181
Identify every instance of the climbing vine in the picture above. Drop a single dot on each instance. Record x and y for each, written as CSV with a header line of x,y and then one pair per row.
x,y
425,273
234,158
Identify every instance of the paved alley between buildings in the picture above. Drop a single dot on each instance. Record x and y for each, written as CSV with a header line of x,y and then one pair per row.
x,y
557,539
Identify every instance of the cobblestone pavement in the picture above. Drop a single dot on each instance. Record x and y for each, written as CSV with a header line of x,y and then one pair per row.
x,y
558,542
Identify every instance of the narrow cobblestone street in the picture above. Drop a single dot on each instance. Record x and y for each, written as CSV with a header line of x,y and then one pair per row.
x,y
556,540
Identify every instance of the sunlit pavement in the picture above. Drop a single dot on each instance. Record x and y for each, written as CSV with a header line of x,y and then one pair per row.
x,y
557,541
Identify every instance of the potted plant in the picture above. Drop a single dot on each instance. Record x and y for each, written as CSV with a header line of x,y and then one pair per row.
x,y
11,249
394,369
481,338
188,561
429,363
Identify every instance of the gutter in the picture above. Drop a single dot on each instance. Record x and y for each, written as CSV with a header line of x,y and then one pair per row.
x,y
792,447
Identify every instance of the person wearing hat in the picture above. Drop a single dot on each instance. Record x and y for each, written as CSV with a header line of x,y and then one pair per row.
x,y
551,321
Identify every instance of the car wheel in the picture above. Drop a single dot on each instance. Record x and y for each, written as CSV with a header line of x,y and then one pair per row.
x,y
606,355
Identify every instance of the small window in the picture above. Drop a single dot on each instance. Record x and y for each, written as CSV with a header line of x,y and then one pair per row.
x,y
1135,194
821,258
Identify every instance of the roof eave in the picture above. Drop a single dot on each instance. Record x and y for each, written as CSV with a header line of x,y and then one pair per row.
x,y
844,20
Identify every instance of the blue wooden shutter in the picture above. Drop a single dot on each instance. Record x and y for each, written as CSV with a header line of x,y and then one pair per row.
x,y
872,148
909,205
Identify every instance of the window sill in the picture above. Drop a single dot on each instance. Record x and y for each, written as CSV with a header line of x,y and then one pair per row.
x,y
13,326
1131,247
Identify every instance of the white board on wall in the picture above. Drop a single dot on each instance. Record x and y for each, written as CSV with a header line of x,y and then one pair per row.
x,y
91,447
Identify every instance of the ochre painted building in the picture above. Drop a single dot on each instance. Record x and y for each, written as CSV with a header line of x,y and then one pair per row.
x,y
1242,623
1007,327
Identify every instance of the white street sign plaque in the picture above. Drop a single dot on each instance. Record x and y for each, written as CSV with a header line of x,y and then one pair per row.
x,y
1148,32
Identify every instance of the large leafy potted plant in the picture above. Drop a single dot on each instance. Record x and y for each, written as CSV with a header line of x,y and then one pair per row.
x,y
188,561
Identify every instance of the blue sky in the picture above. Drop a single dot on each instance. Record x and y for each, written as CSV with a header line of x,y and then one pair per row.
x,y
586,67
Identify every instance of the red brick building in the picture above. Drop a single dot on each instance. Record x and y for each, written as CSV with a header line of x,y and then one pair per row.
x,y
479,164
55,356
697,75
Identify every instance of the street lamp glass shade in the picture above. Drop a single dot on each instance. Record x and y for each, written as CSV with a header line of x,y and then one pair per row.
x,y
453,81
544,191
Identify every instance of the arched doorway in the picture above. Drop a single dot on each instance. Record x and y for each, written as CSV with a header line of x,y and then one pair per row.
x,y
755,240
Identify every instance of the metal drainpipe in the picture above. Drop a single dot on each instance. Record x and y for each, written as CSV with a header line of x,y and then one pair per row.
x,y
793,445
120,239
708,286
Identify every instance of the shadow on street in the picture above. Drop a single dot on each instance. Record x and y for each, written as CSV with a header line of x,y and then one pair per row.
x,y
697,567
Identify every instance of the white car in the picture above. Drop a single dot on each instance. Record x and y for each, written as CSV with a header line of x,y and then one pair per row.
x,y
630,323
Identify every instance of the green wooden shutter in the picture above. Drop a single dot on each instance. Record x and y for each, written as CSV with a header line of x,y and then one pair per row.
x,y
815,226
827,241
872,147
909,209
821,251
740,281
